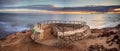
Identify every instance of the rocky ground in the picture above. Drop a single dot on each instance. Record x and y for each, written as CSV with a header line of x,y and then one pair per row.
x,y
106,39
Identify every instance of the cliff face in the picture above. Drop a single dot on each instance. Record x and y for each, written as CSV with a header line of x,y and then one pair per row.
x,y
106,39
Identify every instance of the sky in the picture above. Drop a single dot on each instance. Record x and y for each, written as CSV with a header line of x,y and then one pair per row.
x,y
11,5
58,3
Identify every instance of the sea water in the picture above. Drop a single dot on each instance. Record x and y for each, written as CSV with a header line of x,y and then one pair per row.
x,y
16,22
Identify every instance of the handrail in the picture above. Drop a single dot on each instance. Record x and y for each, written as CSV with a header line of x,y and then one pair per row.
x,y
62,21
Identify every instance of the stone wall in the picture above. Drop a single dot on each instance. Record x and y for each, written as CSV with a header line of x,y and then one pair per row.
x,y
66,39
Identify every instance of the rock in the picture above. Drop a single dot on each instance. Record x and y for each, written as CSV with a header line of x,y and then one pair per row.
x,y
97,48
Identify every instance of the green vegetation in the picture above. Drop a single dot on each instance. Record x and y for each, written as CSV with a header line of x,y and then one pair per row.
x,y
33,31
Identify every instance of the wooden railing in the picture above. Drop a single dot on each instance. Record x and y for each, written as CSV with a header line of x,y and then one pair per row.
x,y
62,21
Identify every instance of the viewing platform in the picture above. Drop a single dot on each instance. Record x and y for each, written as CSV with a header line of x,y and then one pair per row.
x,y
52,32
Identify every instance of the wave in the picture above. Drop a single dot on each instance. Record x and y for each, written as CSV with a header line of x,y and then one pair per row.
x,y
7,28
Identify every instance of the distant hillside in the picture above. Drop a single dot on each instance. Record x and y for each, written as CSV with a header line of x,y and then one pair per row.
x,y
53,8
92,8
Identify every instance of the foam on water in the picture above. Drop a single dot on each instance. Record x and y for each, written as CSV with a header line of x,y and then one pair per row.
x,y
7,28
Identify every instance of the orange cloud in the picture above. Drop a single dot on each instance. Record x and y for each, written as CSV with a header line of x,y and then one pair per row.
x,y
117,9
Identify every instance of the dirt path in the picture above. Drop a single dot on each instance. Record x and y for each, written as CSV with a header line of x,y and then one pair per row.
x,y
14,43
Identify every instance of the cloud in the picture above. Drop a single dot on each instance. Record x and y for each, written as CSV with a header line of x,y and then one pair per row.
x,y
7,3
25,11
17,3
60,3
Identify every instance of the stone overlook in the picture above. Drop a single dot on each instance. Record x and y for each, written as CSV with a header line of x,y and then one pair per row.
x,y
54,33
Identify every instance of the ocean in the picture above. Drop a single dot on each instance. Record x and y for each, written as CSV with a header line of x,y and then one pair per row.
x,y
16,22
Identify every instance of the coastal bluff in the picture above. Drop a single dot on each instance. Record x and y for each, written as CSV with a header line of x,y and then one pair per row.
x,y
105,39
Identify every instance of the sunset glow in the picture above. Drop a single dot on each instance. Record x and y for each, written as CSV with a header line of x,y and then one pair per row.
x,y
117,9
54,12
